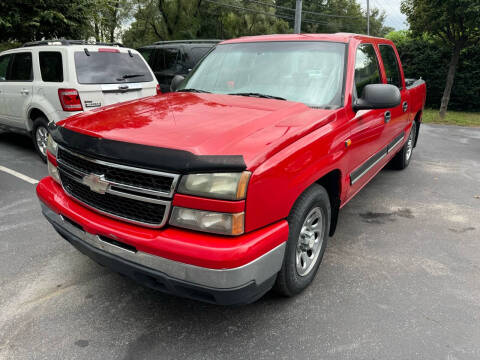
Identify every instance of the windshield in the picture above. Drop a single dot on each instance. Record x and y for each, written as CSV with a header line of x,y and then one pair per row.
x,y
110,68
308,72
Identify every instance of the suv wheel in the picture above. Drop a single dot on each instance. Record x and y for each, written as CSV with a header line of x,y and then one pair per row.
x,y
309,225
40,137
403,157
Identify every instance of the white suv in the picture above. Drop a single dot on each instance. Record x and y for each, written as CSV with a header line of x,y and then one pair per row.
x,y
48,81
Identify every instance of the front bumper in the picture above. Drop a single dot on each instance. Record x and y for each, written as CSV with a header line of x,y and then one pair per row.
x,y
226,285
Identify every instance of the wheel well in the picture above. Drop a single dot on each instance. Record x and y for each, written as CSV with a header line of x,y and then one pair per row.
x,y
332,183
34,114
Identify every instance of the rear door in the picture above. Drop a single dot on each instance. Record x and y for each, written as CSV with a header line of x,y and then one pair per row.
x,y
400,114
367,128
109,76
17,88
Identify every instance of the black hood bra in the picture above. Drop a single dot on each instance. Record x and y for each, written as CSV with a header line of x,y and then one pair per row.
x,y
145,156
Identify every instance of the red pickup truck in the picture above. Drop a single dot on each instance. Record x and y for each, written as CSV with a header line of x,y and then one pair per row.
x,y
231,184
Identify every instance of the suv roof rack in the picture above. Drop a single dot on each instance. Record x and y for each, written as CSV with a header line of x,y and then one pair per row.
x,y
197,41
68,42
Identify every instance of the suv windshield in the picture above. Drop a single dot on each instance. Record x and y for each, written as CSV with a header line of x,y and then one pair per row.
x,y
308,72
110,68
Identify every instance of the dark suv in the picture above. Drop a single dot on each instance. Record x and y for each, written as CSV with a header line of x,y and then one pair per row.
x,y
170,58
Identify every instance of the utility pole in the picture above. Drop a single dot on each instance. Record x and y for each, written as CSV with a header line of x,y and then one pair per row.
x,y
368,17
298,17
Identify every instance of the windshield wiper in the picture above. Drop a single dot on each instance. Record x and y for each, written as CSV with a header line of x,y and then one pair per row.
x,y
194,90
128,76
253,94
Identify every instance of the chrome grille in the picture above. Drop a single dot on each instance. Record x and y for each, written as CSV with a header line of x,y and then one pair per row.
x,y
136,195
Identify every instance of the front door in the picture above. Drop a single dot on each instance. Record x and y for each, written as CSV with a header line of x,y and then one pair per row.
x,y
367,127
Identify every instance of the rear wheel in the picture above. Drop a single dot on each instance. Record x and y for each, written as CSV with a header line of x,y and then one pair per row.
x,y
309,225
402,159
40,136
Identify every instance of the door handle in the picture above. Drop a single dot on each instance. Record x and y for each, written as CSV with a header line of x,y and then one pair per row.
x,y
387,116
24,92
405,106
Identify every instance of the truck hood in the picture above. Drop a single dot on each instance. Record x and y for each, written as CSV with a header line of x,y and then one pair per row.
x,y
204,124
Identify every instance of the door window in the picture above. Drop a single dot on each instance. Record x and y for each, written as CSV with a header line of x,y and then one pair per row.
x,y
366,68
146,53
171,59
4,61
391,65
21,68
51,66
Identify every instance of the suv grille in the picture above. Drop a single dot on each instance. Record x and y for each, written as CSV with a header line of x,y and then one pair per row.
x,y
132,194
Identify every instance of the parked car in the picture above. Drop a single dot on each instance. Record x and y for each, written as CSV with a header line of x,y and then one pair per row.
x,y
232,184
47,81
170,58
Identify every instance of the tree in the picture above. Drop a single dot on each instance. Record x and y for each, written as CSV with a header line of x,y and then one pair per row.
x,y
454,22
27,20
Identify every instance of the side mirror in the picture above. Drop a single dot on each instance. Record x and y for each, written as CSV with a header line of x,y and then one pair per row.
x,y
378,96
176,81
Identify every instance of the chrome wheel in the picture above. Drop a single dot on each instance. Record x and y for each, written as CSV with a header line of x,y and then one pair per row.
x,y
310,241
41,136
410,141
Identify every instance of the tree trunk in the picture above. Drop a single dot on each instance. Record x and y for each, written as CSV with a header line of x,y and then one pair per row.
x,y
450,78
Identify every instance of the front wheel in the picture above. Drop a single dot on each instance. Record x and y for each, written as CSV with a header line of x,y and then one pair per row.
x,y
309,225
40,137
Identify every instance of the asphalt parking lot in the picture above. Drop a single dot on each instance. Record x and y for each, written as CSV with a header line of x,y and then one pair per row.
x,y
400,278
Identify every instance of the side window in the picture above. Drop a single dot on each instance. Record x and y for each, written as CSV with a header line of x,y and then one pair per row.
x,y
146,53
366,68
391,65
171,59
4,61
51,66
158,61
21,68
198,53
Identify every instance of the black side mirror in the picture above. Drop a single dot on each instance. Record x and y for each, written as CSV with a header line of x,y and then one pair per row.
x,y
378,96
176,81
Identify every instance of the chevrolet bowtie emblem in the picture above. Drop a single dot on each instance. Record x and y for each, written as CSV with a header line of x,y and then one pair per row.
x,y
96,183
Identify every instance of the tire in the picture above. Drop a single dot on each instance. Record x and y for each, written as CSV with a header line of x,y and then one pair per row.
x,y
39,137
299,266
403,157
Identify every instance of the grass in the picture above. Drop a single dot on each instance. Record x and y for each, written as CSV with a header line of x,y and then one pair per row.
x,y
458,118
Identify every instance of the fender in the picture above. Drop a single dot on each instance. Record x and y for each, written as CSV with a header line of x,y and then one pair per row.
x,y
40,103
278,182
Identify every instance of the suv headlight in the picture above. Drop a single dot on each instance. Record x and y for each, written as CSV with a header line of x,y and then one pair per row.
x,y
225,186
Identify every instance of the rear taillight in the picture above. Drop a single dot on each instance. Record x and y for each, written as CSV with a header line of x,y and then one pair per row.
x,y
70,100
109,50
159,91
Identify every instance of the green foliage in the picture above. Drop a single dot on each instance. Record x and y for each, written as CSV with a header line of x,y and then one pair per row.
x,y
156,20
26,20
424,57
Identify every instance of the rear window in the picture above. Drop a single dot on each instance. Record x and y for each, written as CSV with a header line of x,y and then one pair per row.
x,y
51,66
110,68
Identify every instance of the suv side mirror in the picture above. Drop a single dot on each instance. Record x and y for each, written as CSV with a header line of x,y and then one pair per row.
x,y
378,96
176,81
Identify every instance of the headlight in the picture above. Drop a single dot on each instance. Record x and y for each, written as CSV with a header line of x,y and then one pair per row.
x,y
53,172
52,146
226,186
208,221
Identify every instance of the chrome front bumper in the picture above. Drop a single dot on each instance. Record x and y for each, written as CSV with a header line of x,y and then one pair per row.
x,y
257,273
